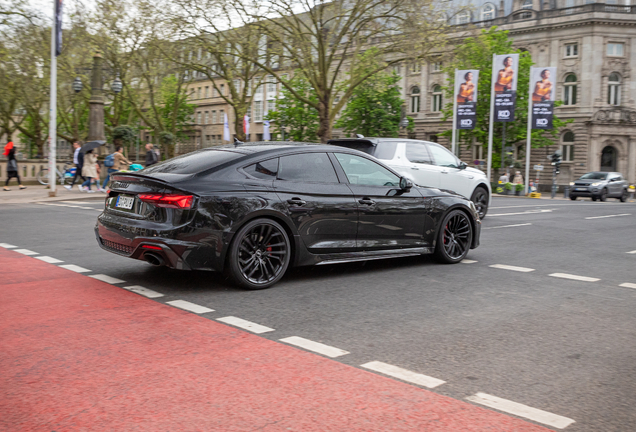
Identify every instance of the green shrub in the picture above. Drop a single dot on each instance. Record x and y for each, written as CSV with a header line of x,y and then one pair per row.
x,y
519,187
509,186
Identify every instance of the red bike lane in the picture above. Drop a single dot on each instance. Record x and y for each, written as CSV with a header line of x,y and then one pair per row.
x,y
78,354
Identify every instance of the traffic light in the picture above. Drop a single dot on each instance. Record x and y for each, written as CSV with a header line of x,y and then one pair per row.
x,y
556,161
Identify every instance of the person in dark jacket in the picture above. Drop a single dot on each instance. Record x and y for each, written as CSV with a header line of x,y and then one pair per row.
x,y
78,160
12,166
151,155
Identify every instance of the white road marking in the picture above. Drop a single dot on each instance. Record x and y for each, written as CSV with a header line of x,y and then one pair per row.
x,y
75,268
81,202
609,216
247,325
10,246
508,226
521,410
513,268
186,305
467,261
86,208
522,213
107,279
632,252
628,285
574,277
143,291
25,252
403,374
49,259
323,349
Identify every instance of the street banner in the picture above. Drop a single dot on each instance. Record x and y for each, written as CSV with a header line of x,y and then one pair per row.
x,y
246,125
466,82
504,77
58,27
266,135
226,128
542,87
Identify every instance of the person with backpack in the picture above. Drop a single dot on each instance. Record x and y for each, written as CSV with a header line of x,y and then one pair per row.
x,y
114,162
151,155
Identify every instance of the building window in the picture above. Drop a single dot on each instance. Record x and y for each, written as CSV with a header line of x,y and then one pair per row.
x,y
206,118
271,85
478,152
436,66
415,99
213,117
463,17
488,12
207,92
199,117
614,89
222,89
416,67
527,4
615,49
396,69
215,93
258,111
572,50
567,148
199,93
222,116
436,105
569,90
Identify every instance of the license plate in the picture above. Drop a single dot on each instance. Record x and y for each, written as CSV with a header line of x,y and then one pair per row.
x,y
580,189
124,202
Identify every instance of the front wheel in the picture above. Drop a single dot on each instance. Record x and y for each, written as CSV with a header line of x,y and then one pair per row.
x,y
480,198
623,197
454,238
603,196
43,176
573,198
259,255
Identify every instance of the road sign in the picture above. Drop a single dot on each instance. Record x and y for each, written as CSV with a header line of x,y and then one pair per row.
x,y
538,167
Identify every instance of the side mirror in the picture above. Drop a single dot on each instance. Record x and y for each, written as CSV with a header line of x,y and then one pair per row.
x,y
405,184
462,165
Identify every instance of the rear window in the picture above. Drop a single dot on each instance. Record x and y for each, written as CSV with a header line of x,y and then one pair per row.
x,y
193,163
383,150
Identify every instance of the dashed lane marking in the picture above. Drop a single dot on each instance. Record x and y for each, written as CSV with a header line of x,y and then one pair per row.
x,y
317,347
467,261
522,213
82,202
107,279
521,410
632,252
608,216
76,268
25,252
186,305
10,246
513,268
403,374
574,277
246,325
628,285
508,226
143,291
49,259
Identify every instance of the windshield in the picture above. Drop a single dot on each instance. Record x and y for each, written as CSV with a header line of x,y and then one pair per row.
x,y
594,176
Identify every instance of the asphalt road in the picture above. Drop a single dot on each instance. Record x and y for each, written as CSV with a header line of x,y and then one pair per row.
x,y
564,346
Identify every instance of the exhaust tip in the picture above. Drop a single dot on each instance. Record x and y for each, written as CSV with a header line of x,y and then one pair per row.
x,y
154,259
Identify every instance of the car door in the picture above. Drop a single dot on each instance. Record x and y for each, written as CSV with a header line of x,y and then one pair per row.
x,y
323,209
452,178
389,217
615,185
420,165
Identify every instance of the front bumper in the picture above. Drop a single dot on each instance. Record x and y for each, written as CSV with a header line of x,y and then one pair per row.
x,y
584,192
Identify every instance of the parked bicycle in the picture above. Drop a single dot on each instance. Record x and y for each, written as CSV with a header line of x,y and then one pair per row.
x,y
63,177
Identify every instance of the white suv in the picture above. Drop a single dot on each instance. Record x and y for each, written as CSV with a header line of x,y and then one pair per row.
x,y
427,164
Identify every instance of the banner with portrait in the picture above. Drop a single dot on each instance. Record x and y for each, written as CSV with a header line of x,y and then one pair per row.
x,y
466,82
504,77
542,96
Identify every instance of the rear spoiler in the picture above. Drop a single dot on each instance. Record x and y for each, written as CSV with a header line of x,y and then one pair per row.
x,y
366,145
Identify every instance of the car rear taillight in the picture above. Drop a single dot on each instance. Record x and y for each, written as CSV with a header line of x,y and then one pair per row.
x,y
177,201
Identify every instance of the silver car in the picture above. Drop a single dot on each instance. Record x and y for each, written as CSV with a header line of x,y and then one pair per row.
x,y
600,185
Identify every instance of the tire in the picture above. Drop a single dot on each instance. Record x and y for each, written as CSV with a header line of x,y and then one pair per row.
x,y
603,196
454,238
259,254
43,176
623,197
594,198
480,198
573,198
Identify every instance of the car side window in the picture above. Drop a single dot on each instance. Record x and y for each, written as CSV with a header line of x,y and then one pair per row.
x,y
385,150
443,157
418,153
265,170
307,167
362,171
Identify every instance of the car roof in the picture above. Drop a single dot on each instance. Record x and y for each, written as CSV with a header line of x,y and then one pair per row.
x,y
375,141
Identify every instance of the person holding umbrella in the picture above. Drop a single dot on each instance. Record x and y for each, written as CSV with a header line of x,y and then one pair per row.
x,y
12,166
89,169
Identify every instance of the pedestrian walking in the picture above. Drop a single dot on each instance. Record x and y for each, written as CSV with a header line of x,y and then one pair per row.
x,y
89,171
518,178
78,160
119,162
12,166
151,155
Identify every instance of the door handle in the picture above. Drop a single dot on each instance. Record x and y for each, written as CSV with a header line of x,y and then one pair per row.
x,y
415,168
366,201
296,201
444,172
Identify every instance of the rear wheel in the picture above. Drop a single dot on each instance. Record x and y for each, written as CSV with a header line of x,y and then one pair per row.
x,y
259,254
454,238
603,196
43,176
480,198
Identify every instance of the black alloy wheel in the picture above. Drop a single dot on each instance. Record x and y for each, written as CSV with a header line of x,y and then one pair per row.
x,y
259,255
480,198
603,196
594,198
455,237
623,197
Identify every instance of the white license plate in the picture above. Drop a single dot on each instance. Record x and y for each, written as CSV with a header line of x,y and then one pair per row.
x,y
581,189
124,202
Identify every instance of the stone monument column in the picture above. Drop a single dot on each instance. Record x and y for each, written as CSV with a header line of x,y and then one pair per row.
x,y
96,102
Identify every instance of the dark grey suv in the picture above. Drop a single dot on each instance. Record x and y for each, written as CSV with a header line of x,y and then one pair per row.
x,y
599,185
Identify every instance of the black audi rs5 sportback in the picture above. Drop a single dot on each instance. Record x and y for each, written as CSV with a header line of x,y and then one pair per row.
x,y
253,210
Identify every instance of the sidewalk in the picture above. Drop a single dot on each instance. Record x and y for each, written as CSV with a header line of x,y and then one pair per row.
x,y
81,354
39,193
